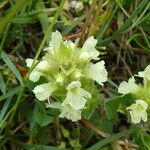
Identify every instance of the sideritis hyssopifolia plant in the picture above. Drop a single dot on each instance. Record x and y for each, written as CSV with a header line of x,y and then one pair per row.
x,y
65,68
139,110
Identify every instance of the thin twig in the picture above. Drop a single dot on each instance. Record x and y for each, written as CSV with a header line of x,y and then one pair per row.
x,y
95,129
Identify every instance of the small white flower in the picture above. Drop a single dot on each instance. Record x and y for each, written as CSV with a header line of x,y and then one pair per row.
x,y
128,87
37,72
66,111
146,73
138,111
70,113
44,91
29,62
78,6
97,72
76,96
88,50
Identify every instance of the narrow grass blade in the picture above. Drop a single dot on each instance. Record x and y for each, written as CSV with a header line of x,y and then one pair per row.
x,y
2,84
36,147
8,18
5,108
111,138
47,34
106,24
126,25
11,66
10,93
43,17
73,25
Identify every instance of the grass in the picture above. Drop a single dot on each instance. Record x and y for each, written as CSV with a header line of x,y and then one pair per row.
x,y
122,27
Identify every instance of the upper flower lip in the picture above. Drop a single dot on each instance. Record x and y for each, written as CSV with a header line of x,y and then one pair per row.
x,y
128,87
44,91
88,50
97,72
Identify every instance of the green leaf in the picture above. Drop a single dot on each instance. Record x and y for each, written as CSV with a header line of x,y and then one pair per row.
x,y
2,84
10,93
111,138
11,66
112,105
11,13
106,24
36,147
42,119
23,20
5,108
43,17
92,103
142,139
126,24
106,125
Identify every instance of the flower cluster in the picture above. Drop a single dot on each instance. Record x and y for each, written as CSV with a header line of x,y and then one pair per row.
x,y
138,110
63,69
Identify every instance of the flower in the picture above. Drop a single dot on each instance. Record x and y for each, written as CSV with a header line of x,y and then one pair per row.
x,y
44,91
78,6
97,72
146,73
41,68
138,111
88,50
128,87
68,112
76,96
64,69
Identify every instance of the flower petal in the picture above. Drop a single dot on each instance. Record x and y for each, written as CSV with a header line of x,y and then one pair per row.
x,y
144,116
84,93
97,72
88,50
44,91
56,40
29,62
69,44
42,66
76,96
134,117
35,75
75,101
142,103
128,87
138,111
146,73
74,84
69,113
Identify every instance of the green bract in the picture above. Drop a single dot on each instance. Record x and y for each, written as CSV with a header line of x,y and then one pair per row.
x,y
64,68
141,92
